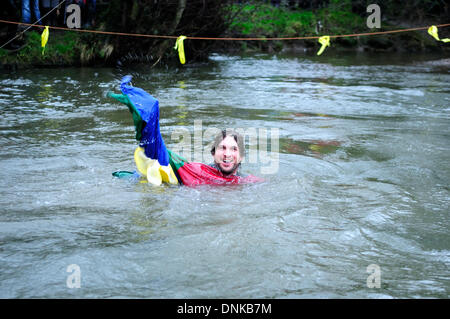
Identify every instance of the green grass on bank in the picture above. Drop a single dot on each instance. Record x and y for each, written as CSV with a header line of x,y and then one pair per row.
x,y
260,19
62,48
268,21
265,20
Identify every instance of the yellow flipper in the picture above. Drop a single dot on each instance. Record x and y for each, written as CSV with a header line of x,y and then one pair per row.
x,y
168,175
153,175
142,161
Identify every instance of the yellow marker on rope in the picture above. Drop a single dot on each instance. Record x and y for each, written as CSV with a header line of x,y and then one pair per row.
x,y
433,31
325,41
180,46
44,39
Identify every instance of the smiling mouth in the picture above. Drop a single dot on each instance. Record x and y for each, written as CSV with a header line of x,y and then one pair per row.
x,y
227,165
227,162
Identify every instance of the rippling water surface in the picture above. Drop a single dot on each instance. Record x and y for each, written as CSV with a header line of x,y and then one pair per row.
x,y
360,177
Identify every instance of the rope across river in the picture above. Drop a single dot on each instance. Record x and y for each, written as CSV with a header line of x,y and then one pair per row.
x,y
323,40
225,38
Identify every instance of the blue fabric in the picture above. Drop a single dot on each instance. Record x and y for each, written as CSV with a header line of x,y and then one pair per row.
x,y
148,108
26,12
49,3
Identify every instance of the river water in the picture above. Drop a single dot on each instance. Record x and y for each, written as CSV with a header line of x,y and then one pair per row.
x,y
354,150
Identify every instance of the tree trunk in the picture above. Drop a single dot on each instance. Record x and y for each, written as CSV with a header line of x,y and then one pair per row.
x,y
165,44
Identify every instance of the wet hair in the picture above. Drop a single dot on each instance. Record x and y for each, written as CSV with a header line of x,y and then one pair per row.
x,y
223,134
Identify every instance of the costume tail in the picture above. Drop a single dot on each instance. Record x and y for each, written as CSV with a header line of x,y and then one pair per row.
x,y
151,157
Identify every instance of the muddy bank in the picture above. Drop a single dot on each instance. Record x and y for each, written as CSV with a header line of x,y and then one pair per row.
x,y
211,19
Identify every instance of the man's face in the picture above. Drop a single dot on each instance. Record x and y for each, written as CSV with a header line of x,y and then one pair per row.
x,y
227,155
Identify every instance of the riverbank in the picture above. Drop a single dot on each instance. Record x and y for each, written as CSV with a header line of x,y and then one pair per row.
x,y
264,20
71,48
64,48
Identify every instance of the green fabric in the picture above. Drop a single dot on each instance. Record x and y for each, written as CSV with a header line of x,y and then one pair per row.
x,y
124,174
139,124
176,161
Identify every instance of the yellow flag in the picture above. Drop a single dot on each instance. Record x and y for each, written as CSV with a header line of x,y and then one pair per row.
x,y
180,46
44,39
325,42
433,31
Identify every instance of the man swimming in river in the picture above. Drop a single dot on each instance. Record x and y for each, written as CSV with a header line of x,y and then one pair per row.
x,y
159,165
228,152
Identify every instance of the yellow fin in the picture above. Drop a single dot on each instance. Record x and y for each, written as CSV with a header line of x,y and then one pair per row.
x,y
141,160
152,170
168,175
153,174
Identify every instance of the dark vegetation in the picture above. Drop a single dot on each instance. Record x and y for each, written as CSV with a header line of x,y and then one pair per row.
x,y
220,18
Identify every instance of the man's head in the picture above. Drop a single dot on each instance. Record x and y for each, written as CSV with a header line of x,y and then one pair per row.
x,y
228,151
